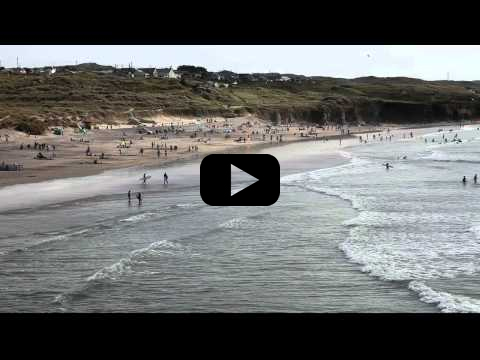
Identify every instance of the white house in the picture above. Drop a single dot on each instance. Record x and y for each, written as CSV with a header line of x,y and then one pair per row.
x,y
284,78
173,75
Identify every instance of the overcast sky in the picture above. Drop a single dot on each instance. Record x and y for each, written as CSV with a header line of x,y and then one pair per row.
x,y
348,61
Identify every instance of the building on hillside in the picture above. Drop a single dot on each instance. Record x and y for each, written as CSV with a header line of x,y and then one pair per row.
x,y
246,77
173,75
165,73
20,71
150,72
226,75
193,72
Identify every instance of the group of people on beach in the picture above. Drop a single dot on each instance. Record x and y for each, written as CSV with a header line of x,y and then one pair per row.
x,y
144,179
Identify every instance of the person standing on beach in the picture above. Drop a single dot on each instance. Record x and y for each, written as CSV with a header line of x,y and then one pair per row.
x,y
139,197
475,179
129,194
165,178
144,178
464,180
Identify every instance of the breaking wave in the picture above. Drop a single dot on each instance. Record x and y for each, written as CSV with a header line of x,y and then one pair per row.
x,y
139,217
445,301
452,157
136,257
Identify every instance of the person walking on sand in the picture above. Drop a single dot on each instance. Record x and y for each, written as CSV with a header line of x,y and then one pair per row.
x,y
129,194
475,179
144,178
165,178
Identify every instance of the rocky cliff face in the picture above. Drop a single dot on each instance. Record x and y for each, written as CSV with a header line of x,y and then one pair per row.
x,y
372,112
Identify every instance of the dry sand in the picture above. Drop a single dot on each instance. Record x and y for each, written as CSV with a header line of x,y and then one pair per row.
x,y
71,159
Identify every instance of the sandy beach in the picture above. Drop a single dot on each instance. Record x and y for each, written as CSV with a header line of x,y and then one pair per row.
x,y
193,138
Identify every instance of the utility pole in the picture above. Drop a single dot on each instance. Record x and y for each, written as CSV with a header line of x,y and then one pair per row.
x,y
17,63
448,76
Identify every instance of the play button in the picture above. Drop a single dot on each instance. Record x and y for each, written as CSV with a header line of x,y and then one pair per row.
x,y
240,179
233,187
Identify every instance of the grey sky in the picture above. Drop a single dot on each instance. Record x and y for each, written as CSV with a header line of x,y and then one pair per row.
x,y
426,62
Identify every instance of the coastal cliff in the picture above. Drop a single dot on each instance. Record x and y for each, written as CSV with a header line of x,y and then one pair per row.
x,y
68,97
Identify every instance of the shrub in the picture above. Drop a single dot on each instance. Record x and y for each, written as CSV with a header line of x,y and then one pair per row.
x,y
27,125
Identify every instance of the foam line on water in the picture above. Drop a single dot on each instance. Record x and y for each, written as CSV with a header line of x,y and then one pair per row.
x,y
445,301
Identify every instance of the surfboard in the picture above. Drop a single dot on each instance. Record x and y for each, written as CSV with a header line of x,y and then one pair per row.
x,y
147,177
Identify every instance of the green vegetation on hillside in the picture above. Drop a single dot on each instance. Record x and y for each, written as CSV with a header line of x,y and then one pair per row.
x,y
64,99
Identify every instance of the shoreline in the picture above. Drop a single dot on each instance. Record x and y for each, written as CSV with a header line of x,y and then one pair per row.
x,y
73,170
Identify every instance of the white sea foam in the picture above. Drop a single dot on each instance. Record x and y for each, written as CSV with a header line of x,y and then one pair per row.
x,y
61,237
139,217
451,157
113,271
234,223
124,266
476,230
445,302
187,205
396,253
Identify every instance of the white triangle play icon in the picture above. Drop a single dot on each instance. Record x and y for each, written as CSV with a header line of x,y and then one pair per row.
x,y
252,180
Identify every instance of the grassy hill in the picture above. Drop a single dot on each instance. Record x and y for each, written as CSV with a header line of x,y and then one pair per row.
x,y
63,99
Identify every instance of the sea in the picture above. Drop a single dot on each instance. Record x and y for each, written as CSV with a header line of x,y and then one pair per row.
x,y
346,235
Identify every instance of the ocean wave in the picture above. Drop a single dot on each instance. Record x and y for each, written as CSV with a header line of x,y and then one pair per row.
x,y
476,230
138,217
51,240
187,205
234,223
136,257
356,165
452,157
345,154
446,302
402,254
355,201
379,219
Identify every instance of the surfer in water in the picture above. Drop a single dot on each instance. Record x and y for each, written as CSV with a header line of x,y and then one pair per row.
x,y
139,197
388,166
165,178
